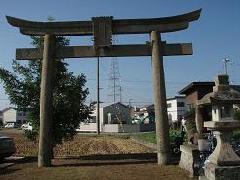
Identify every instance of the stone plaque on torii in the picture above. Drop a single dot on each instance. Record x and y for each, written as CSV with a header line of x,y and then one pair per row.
x,y
102,29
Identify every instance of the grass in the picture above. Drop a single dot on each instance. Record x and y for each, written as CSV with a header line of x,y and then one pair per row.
x,y
150,137
71,170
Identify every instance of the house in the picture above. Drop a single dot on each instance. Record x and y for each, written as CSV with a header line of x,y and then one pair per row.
x,y
196,90
114,118
110,113
176,108
144,115
11,115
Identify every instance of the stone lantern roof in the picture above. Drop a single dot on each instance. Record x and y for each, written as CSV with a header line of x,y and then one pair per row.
x,y
222,93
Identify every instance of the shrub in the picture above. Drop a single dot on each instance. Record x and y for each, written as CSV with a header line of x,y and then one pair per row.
x,y
31,135
176,135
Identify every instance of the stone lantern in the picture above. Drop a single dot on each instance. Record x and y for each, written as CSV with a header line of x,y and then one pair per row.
x,y
223,163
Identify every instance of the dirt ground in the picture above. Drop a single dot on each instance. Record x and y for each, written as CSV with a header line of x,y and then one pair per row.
x,y
90,157
75,169
81,145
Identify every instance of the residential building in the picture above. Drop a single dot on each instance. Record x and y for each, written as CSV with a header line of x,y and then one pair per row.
x,y
144,115
176,108
11,115
114,118
110,113
195,91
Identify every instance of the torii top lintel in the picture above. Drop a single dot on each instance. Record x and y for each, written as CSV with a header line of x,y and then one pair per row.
x,y
118,26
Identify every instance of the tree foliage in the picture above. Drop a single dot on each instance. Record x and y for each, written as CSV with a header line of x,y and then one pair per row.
x,y
22,85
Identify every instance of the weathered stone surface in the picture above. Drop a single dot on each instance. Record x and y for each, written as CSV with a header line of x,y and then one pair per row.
x,y
115,50
46,98
119,26
215,172
224,154
222,125
189,158
160,106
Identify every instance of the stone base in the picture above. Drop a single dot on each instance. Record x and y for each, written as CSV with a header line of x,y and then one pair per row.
x,y
215,172
189,159
202,178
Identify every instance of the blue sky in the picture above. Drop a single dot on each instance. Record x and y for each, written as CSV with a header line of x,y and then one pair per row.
x,y
216,35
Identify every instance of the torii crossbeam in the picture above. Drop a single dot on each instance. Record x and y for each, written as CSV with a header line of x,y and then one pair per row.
x,y
102,29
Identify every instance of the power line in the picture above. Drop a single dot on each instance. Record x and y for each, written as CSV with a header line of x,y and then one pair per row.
x,y
114,79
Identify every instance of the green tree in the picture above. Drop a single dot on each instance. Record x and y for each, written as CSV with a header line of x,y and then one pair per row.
x,y
69,93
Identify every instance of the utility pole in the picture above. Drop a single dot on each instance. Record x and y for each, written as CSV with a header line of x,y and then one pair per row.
x,y
98,99
226,61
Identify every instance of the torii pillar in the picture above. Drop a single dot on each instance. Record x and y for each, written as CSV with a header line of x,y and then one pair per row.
x,y
160,107
46,102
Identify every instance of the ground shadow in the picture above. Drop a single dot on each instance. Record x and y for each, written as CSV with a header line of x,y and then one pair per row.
x,y
108,159
6,171
96,160
137,156
27,159
103,163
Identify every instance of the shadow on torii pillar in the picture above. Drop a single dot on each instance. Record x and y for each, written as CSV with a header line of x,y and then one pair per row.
x,y
102,29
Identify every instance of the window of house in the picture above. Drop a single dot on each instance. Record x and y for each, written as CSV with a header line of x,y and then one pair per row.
x,y
190,106
180,104
169,105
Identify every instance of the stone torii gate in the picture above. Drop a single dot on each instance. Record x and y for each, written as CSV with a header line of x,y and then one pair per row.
x,y
102,29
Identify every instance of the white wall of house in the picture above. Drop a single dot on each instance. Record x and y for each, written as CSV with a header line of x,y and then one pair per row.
x,y
9,115
12,115
128,128
176,108
87,127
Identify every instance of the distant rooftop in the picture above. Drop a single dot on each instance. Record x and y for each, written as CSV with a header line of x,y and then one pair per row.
x,y
6,109
204,83
196,84
176,97
102,105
